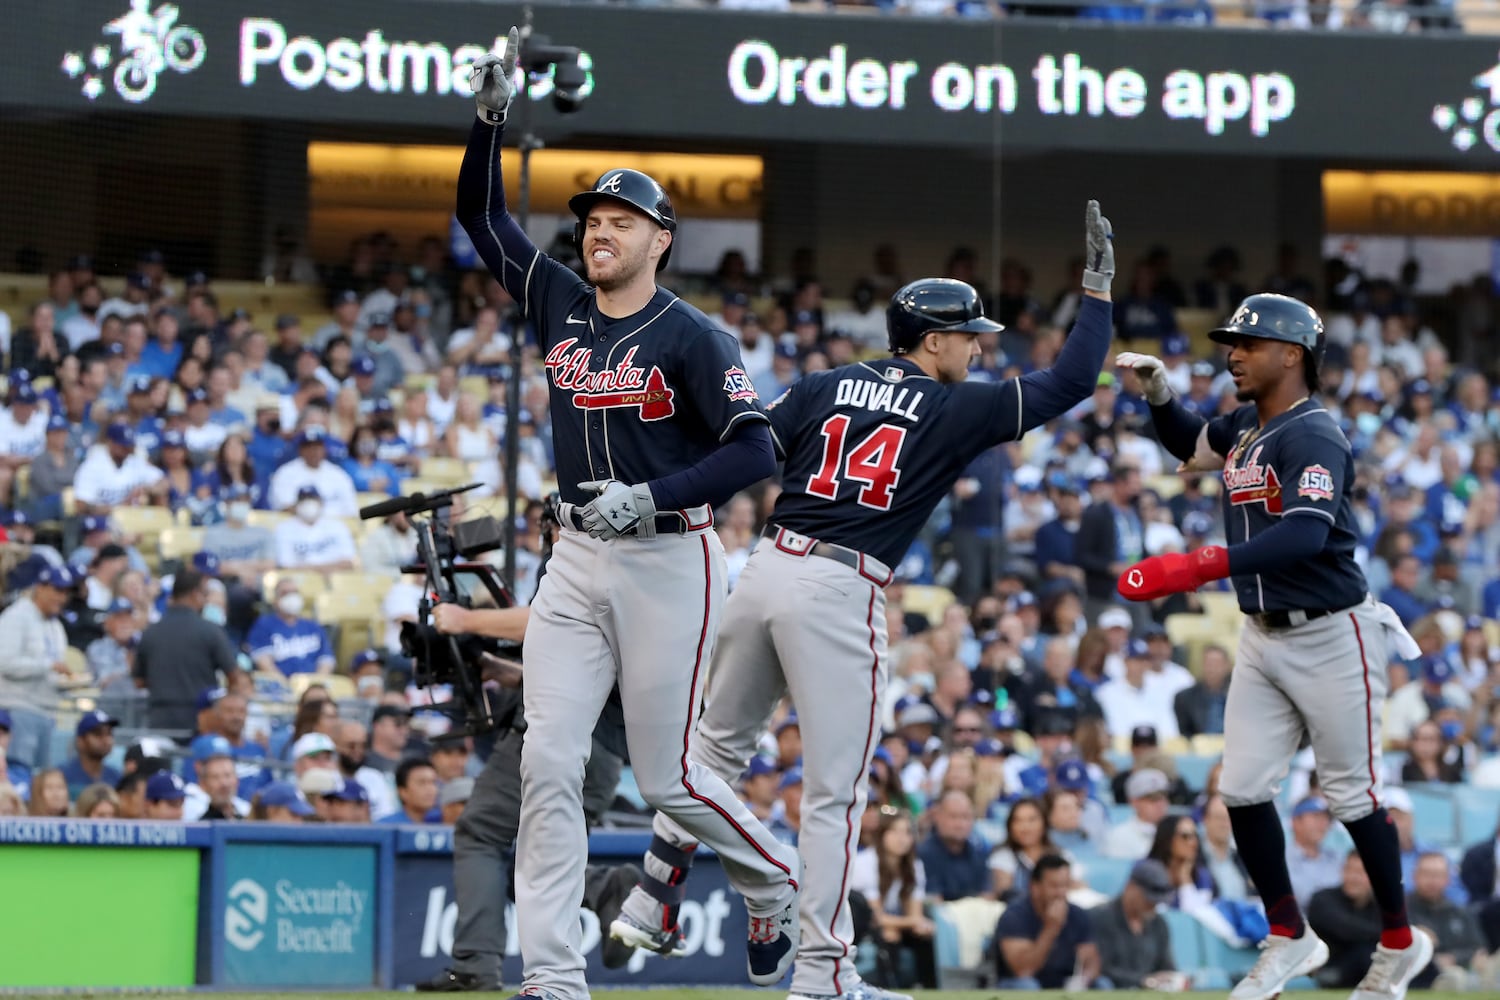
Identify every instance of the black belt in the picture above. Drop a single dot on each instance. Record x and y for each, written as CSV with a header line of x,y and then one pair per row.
x,y
852,558
1288,619
666,524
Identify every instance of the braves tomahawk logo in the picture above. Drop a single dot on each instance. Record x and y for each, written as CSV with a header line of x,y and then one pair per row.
x,y
626,384
151,42
1252,482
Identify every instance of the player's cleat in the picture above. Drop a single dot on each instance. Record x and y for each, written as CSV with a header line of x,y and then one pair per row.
x,y
535,993
453,981
861,991
639,925
1392,970
1282,959
773,944
612,895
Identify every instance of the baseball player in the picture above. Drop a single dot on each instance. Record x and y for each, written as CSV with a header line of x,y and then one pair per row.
x,y
870,450
654,422
1313,650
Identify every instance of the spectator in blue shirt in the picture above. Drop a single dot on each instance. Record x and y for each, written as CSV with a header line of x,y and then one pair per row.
x,y
1055,540
956,859
163,352
1401,595
284,642
16,773
94,741
417,788
1042,941
268,448
786,814
370,473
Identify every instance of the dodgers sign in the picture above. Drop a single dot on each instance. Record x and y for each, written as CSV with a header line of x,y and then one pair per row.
x,y
299,915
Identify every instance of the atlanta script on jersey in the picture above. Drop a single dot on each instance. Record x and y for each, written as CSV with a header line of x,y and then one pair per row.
x,y
1299,464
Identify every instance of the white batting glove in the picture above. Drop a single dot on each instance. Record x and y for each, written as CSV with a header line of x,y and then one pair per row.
x,y
617,509
1099,250
490,80
1151,372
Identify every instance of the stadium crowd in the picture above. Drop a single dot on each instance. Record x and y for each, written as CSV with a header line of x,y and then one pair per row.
x,y
180,487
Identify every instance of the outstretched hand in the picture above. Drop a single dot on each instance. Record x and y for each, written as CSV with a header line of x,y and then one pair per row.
x,y
490,79
1099,250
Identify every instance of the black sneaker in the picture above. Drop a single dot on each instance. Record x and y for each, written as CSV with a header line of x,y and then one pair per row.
x,y
452,981
612,951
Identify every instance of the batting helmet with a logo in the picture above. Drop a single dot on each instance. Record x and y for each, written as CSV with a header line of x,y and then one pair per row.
x,y
640,191
934,305
1278,317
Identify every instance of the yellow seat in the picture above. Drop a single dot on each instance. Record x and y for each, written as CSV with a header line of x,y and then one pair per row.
x,y
1177,746
1222,606
376,585
418,484
1166,487
927,600
363,500
440,469
1208,745
477,386
1185,627
267,519
310,583
180,543
144,521
419,381
340,687
357,618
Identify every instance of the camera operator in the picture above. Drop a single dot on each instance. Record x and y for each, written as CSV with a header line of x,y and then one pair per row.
x,y
486,831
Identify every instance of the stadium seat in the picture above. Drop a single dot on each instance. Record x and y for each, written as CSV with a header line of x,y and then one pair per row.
x,y
356,618
1194,769
267,519
1108,875
310,583
418,381
1209,745
180,544
364,500
477,386
1478,812
1221,606
1166,487
1187,943
148,522
1435,814
340,687
928,601
452,471
369,586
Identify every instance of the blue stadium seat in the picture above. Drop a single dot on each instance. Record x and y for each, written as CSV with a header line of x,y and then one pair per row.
x,y
1194,769
628,789
1478,812
1107,875
1435,820
1187,943
944,940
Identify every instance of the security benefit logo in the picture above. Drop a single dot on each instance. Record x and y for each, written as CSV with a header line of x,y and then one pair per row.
x,y
1474,120
292,918
151,42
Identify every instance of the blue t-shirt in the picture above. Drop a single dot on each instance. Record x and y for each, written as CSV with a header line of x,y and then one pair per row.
x,y
365,475
954,876
268,452
159,362
78,779
1020,920
296,648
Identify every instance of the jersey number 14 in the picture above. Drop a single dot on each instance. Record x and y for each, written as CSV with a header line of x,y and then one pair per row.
x,y
875,461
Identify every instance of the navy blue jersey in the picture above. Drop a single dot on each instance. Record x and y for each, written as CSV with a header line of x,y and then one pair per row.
x,y
633,399
870,448
1299,464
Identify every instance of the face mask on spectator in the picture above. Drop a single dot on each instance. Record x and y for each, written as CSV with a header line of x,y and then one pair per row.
x,y
289,604
1367,423
370,687
214,614
368,447
1452,730
238,511
308,510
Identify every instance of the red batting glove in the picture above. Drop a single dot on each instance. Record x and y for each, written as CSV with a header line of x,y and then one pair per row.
x,y
1173,573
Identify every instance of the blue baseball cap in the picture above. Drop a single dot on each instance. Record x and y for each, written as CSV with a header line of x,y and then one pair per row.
x,y
1311,804
236,491
173,439
95,720
60,577
362,366
18,376
208,746
25,392
786,351
1474,623
788,722
759,766
793,776
1137,649
1071,775
121,434
350,791
1436,671
120,606
208,697
379,319
5,722
1003,719
312,434
347,297
1174,345
138,384
284,794
199,395
384,405
16,518
883,755
365,657
206,563
164,786
989,748
95,522
57,422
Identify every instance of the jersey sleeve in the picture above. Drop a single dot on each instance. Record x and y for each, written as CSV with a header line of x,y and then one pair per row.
x,y
525,272
1312,470
1221,433
715,380
785,414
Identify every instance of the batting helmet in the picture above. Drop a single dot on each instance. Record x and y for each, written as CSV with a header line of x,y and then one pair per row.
x,y
1279,317
635,189
943,305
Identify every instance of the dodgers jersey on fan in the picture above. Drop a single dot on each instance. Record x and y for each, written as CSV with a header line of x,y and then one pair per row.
x,y
871,448
1298,464
632,399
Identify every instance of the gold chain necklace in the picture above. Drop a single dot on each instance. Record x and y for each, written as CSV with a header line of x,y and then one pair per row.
x,y
1247,437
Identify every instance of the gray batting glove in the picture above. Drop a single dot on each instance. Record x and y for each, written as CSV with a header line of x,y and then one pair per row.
x,y
617,509
1151,372
1099,257
490,79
